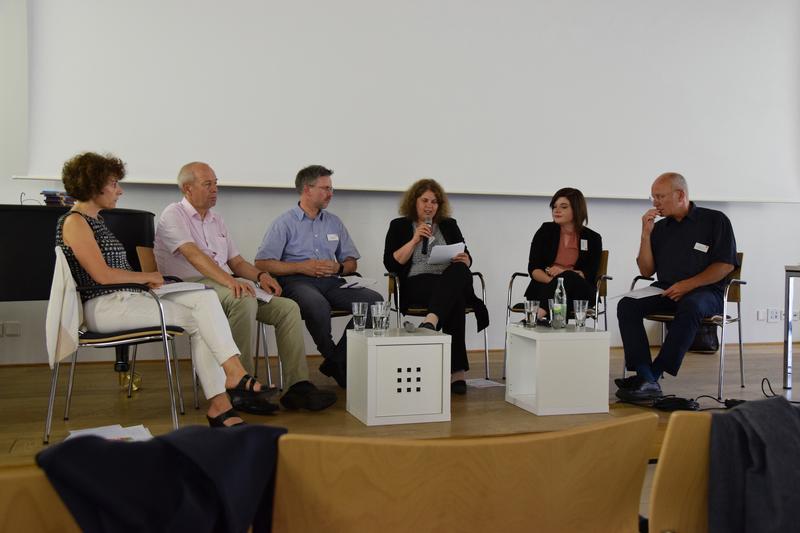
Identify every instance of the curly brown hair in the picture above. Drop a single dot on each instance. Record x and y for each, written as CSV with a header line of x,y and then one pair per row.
x,y
408,204
86,174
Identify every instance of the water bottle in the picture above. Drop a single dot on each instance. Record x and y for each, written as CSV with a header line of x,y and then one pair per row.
x,y
559,310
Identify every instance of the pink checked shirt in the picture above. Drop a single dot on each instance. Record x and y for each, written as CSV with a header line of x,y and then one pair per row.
x,y
180,223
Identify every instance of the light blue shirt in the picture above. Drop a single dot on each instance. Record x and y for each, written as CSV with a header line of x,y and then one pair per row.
x,y
294,237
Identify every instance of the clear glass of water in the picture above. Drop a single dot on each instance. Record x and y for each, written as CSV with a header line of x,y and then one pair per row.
x,y
558,314
531,313
359,315
380,318
580,307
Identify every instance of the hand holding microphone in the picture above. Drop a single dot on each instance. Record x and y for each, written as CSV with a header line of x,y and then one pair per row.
x,y
429,225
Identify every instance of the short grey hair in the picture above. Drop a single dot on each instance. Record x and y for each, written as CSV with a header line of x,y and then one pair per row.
x,y
676,181
186,174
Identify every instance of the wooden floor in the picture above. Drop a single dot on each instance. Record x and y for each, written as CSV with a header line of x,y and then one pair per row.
x,y
98,400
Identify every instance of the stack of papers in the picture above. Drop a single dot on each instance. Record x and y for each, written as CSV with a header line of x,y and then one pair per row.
x,y
443,253
115,432
179,287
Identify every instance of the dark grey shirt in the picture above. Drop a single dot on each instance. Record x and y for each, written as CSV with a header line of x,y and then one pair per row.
x,y
686,248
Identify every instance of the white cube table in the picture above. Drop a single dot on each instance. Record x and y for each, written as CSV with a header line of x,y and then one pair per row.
x,y
557,371
399,378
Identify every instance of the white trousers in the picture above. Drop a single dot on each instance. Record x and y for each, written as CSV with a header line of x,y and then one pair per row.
x,y
197,312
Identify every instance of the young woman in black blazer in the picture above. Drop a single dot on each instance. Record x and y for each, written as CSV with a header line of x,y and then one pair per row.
x,y
564,248
446,290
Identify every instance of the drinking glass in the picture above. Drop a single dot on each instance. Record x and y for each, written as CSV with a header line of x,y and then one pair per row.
x,y
558,314
360,315
580,307
531,313
380,318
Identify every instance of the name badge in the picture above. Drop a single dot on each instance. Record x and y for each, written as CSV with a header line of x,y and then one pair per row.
x,y
700,247
584,245
333,237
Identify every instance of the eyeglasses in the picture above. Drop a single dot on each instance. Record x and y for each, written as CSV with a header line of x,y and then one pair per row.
x,y
326,189
659,197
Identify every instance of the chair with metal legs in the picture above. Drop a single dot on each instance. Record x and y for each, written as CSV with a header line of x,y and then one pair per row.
x,y
394,297
123,338
600,299
732,294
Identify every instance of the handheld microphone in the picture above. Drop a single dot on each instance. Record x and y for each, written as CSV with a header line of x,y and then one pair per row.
x,y
428,221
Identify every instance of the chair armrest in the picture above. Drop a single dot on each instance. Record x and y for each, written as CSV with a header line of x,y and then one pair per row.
x,y
640,278
174,279
483,285
728,285
514,276
116,287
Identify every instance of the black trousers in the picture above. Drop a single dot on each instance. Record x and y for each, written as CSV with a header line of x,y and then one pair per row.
x,y
445,295
577,289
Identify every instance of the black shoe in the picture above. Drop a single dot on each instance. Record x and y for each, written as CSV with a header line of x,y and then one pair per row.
x,y
646,390
427,325
244,398
458,387
334,370
631,382
219,420
304,395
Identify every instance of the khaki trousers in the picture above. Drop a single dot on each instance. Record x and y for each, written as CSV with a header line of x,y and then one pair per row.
x,y
282,313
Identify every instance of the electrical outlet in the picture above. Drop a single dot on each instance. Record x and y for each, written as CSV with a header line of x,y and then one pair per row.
x,y
773,315
12,329
795,316
761,315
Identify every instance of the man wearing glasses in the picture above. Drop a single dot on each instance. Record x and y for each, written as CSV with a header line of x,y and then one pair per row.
x,y
691,250
308,249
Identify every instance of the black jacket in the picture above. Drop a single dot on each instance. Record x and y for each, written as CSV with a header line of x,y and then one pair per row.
x,y
544,248
401,230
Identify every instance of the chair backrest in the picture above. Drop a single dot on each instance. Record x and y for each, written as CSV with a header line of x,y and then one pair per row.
x,y
147,259
602,270
28,502
568,480
734,294
679,500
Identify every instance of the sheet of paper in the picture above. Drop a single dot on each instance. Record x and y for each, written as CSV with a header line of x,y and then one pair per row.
x,y
180,286
481,383
262,295
644,292
444,253
114,432
357,282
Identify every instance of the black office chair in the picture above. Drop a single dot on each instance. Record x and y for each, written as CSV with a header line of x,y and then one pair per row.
x,y
394,299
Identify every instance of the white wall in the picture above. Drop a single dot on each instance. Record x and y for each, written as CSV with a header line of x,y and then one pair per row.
x,y
497,229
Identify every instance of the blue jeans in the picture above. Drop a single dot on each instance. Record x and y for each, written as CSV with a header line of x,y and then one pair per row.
x,y
689,311
316,297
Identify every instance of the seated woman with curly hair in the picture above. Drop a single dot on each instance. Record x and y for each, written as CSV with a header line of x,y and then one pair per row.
x,y
564,248
96,257
445,290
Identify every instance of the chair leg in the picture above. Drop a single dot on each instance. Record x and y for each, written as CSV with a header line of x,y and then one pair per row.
x,y
170,383
132,370
69,384
280,372
194,377
486,351
48,422
262,332
505,342
177,375
741,350
721,361
258,346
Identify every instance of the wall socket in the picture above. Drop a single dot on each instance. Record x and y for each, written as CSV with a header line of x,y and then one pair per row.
x,y
12,328
773,315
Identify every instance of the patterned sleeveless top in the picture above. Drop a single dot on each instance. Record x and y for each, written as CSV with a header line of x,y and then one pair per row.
x,y
112,250
419,262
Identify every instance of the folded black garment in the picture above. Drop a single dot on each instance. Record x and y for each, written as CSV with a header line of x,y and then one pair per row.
x,y
194,479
